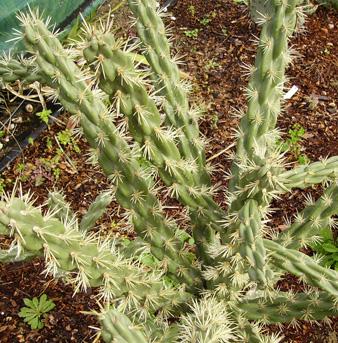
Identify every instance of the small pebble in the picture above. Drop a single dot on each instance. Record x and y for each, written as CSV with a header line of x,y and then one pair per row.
x,y
29,108
17,120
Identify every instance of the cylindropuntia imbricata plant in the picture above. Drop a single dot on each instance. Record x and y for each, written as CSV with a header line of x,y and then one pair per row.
x,y
224,292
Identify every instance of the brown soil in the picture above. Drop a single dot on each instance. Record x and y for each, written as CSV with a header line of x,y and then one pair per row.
x,y
212,57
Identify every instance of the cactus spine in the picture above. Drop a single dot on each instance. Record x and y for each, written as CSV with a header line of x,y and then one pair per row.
x,y
224,293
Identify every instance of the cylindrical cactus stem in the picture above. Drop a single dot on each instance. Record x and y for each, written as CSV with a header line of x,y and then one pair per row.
x,y
114,153
266,83
87,261
209,320
16,254
251,246
304,267
287,307
58,206
303,176
315,217
96,210
156,48
165,72
24,70
144,122
242,258
117,327
259,179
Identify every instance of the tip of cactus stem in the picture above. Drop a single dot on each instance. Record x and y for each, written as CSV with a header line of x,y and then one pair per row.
x,y
209,320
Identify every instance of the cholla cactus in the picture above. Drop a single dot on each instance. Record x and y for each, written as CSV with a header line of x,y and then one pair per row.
x,y
224,292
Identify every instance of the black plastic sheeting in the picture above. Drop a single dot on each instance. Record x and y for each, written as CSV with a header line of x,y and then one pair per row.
x,y
62,13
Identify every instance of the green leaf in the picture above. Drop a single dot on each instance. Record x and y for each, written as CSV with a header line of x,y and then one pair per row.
x,y
36,303
30,317
329,263
335,256
191,256
43,298
44,115
147,260
318,247
183,235
28,302
47,306
25,311
326,233
330,247
73,33
37,308
34,323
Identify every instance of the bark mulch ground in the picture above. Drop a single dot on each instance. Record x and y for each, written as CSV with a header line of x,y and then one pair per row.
x,y
215,37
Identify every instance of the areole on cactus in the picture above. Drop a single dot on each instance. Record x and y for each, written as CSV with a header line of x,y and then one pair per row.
x,y
224,292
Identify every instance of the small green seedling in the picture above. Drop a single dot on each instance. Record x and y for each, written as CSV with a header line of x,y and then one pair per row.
x,y
35,310
192,34
328,248
44,115
204,21
57,173
292,144
65,138
49,143
215,121
192,10
211,65
21,167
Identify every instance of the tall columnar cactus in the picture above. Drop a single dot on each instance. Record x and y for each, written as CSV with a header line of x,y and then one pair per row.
x,y
224,292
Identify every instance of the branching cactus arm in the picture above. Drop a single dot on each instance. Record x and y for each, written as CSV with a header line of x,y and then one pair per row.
x,y
87,260
96,210
305,267
315,217
256,144
24,70
160,144
304,176
289,307
114,154
169,85
58,205
254,179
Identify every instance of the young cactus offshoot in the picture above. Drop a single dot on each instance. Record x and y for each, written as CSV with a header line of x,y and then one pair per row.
x,y
224,291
